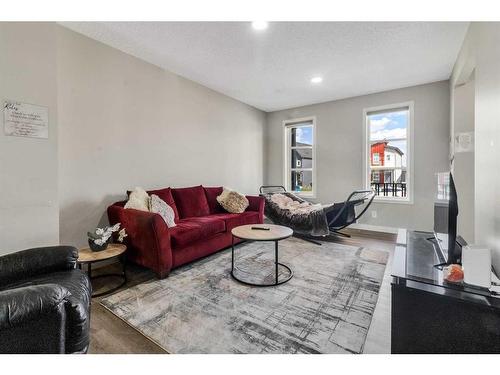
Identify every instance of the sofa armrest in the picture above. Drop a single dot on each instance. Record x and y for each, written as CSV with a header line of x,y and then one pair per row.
x,y
40,260
148,240
256,203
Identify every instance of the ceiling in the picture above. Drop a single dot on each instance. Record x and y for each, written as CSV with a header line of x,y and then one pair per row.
x,y
271,69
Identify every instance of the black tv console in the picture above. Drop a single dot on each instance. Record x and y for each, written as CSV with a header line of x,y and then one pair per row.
x,y
430,315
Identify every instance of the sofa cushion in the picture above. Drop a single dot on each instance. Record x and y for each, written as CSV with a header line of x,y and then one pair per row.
x,y
195,229
209,225
191,202
212,193
234,220
184,234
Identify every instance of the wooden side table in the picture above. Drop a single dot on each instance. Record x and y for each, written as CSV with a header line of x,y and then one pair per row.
x,y
89,257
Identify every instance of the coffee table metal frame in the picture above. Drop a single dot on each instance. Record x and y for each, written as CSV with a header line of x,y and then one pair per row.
x,y
276,262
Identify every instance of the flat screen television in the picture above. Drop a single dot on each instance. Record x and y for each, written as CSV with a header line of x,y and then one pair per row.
x,y
445,220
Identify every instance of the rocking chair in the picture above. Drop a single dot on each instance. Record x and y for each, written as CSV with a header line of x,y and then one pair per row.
x,y
338,215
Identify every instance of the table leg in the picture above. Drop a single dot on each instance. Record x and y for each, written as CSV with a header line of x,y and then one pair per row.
x,y
276,259
232,253
89,270
124,263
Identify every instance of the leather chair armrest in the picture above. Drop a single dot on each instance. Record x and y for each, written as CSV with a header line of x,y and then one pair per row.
x,y
20,305
33,319
36,261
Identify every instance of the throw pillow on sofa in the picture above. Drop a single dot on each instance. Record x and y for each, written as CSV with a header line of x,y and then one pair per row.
x,y
166,196
158,206
138,200
232,201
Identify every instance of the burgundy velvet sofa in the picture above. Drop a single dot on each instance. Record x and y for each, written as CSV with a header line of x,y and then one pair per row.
x,y
203,227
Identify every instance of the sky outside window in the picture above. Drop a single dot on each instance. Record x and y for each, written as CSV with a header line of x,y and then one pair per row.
x,y
389,125
303,135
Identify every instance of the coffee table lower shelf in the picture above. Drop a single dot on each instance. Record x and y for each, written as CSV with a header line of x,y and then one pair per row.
x,y
278,280
123,276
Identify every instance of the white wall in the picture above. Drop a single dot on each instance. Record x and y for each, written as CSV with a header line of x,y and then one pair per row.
x,y
340,145
125,123
29,211
463,163
481,53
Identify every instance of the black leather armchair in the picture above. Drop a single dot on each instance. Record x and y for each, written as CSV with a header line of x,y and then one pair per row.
x,y
44,302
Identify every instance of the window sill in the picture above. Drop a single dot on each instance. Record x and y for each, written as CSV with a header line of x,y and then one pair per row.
x,y
304,195
392,200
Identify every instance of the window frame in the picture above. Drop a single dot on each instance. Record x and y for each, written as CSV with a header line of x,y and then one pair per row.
x,y
410,151
287,157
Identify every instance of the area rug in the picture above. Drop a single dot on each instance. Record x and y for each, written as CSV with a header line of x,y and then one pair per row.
x,y
326,307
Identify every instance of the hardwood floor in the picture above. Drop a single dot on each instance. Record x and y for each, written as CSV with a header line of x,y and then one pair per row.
x,y
110,334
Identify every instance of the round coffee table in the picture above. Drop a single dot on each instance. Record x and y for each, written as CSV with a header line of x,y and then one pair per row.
x,y
89,257
268,232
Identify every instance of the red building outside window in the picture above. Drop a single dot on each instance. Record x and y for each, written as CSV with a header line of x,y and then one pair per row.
x,y
387,131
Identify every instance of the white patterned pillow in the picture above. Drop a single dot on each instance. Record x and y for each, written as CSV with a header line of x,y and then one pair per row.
x,y
232,201
138,200
158,206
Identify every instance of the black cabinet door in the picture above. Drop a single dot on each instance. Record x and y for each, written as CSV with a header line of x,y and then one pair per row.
x,y
424,322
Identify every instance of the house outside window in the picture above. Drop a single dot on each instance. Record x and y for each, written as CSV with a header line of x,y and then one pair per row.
x,y
388,152
299,168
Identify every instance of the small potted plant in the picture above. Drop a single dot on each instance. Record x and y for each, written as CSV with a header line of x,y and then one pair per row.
x,y
101,237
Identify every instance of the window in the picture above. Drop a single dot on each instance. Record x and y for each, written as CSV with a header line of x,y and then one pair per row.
x,y
299,165
388,158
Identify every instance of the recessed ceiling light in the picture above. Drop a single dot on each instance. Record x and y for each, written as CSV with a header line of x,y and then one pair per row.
x,y
316,79
260,25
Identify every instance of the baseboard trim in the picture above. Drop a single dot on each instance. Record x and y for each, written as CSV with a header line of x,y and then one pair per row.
x,y
362,227
374,228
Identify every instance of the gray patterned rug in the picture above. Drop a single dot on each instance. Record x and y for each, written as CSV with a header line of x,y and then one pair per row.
x,y
326,307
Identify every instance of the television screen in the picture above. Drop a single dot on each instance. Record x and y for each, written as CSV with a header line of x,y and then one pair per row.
x,y
445,218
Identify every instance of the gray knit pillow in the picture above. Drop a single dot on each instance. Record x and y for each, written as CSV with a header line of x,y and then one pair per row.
x,y
158,206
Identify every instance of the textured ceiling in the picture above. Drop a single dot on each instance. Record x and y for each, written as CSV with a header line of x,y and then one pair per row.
x,y
271,69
